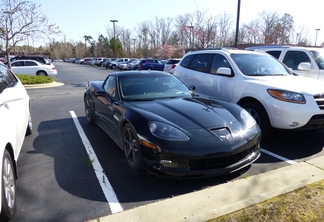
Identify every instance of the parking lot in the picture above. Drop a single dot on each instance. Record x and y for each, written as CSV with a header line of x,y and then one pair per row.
x,y
72,171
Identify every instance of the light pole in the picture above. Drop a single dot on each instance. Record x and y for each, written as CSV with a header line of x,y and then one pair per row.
x,y
237,22
115,48
190,27
134,46
316,35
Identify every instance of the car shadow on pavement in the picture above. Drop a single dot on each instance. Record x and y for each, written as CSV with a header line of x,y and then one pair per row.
x,y
61,149
295,144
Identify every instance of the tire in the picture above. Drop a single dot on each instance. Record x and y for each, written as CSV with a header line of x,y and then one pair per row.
x,y
29,129
88,111
149,68
131,147
41,73
261,117
8,189
113,66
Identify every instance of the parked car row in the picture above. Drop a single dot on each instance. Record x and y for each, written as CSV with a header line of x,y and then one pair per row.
x,y
129,63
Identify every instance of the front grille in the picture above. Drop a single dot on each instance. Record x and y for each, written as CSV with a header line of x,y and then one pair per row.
x,y
220,162
319,99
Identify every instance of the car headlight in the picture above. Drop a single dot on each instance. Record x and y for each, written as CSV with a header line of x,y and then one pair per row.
x,y
248,120
287,96
167,132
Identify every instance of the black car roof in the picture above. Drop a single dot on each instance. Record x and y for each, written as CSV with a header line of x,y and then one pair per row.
x,y
141,73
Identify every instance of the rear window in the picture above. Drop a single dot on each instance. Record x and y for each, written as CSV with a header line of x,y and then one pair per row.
x,y
186,61
173,61
275,54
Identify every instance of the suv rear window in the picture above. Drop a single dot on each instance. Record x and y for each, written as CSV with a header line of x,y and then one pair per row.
x,y
173,61
275,54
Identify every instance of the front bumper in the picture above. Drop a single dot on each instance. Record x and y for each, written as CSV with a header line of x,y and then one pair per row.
x,y
185,167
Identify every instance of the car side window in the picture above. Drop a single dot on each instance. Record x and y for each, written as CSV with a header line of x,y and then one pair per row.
x,y
7,79
110,86
294,58
30,63
201,62
17,64
218,61
186,61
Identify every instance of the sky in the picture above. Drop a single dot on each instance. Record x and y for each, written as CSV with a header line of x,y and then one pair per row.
x,y
77,18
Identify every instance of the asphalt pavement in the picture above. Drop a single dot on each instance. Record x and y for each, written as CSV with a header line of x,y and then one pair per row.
x,y
216,201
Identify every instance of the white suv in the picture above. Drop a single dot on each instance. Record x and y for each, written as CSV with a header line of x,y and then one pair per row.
x,y
304,61
259,83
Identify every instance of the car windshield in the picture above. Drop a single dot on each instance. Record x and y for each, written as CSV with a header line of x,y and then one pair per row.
x,y
151,87
259,65
319,57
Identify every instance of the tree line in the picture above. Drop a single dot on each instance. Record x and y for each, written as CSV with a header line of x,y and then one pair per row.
x,y
161,37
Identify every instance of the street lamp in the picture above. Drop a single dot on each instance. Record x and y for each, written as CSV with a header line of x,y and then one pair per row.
x,y
115,48
237,22
134,46
316,35
190,27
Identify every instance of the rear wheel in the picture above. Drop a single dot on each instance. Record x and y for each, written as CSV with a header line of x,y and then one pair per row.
x,y
131,147
8,188
260,115
41,73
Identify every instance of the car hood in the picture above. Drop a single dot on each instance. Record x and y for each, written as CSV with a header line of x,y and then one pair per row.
x,y
298,84
189,113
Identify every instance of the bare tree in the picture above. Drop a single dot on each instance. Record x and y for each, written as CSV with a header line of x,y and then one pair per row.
x,y
21,20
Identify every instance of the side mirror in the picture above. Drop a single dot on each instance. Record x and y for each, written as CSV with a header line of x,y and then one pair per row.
x,y
101,93
224,71
306,66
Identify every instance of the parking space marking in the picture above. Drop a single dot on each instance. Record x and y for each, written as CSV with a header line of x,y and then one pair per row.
x,y
106,187
278,157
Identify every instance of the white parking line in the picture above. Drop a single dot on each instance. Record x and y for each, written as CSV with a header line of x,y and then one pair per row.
x,y
278,157
106,187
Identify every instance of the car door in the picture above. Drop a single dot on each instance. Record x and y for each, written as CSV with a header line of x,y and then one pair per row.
x,y
18,67
31,67
293,59
104,104
12,112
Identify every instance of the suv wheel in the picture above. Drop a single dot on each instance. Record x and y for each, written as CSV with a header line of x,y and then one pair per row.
x,y
260,115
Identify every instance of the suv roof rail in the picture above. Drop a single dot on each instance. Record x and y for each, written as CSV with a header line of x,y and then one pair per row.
x,y
225,48
268,46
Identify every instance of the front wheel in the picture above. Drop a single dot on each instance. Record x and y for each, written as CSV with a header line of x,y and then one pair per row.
x,y
29,129
88,111
8,190
131,146
260,115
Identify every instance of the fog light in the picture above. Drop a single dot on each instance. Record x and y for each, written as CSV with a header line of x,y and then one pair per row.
x,y
293,124
170,163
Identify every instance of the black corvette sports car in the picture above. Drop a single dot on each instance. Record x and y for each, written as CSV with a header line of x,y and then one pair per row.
x,y
162,126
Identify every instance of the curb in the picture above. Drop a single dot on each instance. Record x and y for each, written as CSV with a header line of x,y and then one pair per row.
x,y
46,85
216,201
